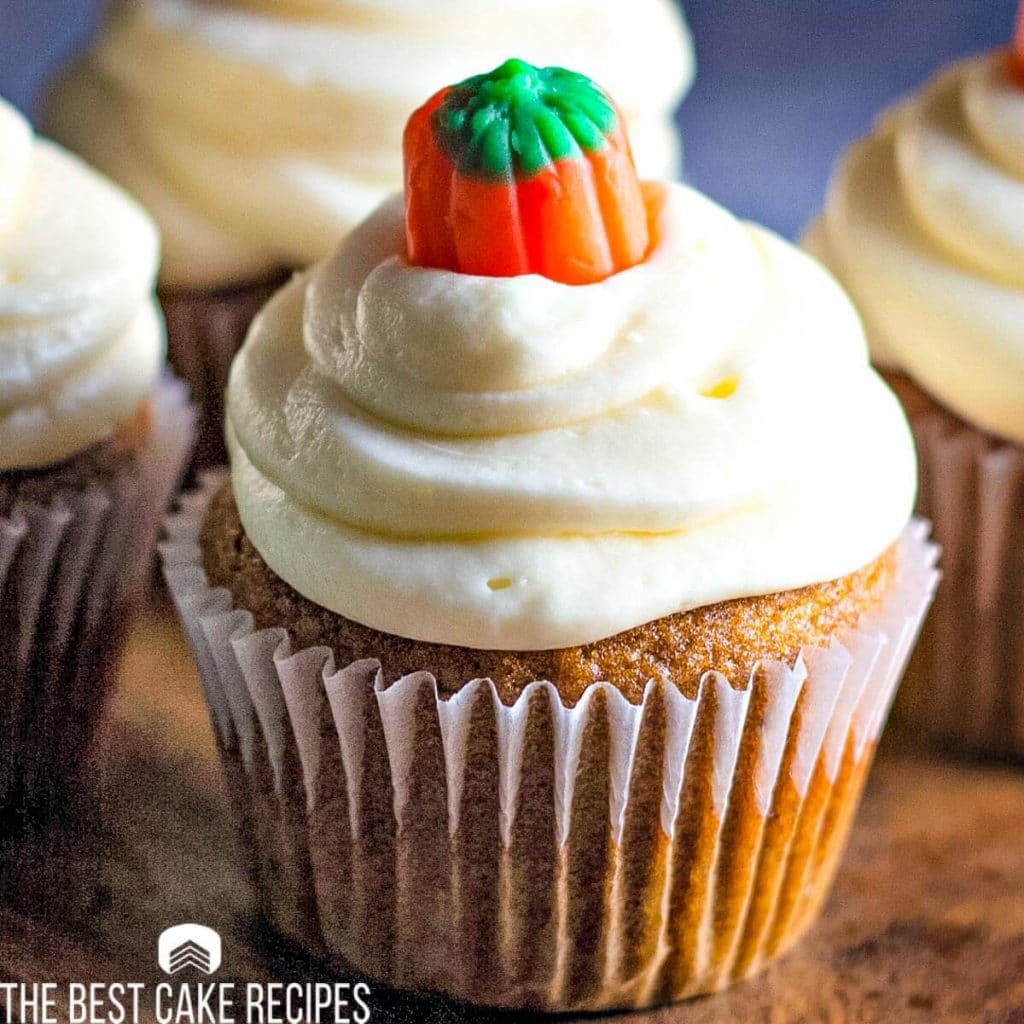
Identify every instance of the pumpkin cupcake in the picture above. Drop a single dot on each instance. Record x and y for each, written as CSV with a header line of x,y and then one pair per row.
x,y
92,444
925,226
260,131
564,575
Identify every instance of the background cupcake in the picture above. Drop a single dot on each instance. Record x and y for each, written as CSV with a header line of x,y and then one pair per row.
x,y
259,133
92,444
546,646
925,225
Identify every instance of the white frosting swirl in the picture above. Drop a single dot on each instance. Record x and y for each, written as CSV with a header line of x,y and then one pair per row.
x,y
81,339
925,225
260,132
515,463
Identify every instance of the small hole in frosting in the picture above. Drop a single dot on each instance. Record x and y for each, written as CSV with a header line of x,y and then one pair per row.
x,y
499,583
725,388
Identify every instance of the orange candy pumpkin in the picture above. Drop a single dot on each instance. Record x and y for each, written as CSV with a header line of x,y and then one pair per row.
x,y
523,170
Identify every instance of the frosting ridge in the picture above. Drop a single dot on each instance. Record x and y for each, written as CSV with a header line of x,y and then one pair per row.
x,y
517,463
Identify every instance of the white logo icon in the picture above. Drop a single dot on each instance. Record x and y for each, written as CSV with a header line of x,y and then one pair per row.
x,y
189,945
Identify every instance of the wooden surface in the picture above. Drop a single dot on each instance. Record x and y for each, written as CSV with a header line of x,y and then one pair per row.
x,y
926,923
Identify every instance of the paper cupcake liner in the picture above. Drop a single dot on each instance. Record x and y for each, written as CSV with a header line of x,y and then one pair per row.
x,y
606,855
69,571
965,685
204,331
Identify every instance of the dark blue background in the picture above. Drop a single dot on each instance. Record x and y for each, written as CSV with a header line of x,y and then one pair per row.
x,y
782,84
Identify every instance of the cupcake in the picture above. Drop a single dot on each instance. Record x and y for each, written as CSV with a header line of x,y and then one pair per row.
x,y
564,574
925,226
92,443
260,131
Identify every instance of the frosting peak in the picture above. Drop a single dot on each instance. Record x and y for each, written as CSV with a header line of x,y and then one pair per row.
x,y
80,337
520,463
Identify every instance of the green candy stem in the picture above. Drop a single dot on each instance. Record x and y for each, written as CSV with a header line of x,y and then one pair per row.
x,y
517,120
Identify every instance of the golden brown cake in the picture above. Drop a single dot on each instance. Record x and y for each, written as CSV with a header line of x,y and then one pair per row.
x,y
731,637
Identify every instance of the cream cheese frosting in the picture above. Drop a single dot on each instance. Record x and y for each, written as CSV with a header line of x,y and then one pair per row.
x,y
81,337
925,225
513,463
258,133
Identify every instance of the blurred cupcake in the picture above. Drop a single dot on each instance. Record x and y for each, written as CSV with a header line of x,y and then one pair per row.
x,y
260,131
92,443
564,576
925,226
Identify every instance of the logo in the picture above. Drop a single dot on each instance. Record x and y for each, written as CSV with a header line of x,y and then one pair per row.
x,y
189,945
185,999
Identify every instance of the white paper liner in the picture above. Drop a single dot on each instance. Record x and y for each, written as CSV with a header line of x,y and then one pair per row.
x,y
965,685
606,855
69,570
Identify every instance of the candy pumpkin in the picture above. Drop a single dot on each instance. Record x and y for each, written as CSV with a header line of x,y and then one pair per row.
x,y
524,170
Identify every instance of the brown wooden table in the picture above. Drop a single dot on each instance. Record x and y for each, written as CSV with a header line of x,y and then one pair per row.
x,y
926,923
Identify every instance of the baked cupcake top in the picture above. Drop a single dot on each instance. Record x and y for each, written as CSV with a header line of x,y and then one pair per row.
x,y
925,225
81,338
260,131
501,459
